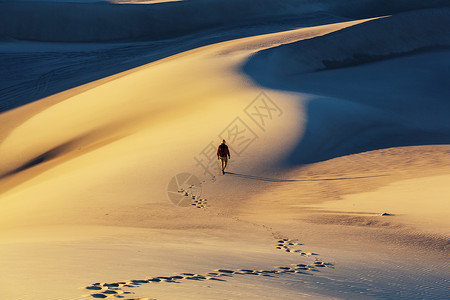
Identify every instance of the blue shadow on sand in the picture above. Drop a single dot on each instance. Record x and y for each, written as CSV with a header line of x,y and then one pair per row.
x,y
359,108
260,178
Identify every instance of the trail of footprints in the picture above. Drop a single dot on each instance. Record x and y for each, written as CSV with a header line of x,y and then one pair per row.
x,y
118,289
191,192
289,245
199,203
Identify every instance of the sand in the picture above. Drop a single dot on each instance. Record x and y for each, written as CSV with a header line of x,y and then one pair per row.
x,y
330,193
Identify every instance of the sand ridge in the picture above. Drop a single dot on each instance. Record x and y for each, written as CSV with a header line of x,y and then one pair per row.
x,y
89,207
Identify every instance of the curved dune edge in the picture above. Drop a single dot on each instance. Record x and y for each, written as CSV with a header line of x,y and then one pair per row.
x,y
409,33
104,21
368,89
123,101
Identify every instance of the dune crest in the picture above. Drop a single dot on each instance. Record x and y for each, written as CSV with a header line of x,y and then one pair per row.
x,y
336,183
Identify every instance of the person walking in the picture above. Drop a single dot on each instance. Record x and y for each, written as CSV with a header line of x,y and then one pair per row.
x,y
223,154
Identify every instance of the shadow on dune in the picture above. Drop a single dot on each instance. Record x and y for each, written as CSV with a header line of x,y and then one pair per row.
x,y
146,33
260,178
400,97
336,128
28,76
96,21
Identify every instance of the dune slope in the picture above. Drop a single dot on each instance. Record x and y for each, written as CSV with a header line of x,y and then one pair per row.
x,y
357,106
88,176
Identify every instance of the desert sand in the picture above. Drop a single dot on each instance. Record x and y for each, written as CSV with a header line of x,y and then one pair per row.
x,y
337,120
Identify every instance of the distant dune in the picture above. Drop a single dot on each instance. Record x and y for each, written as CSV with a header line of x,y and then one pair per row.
x,y
336,113
379,39
369,106
90,21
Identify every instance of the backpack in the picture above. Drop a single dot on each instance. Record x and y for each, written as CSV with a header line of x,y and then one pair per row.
x,y
223,150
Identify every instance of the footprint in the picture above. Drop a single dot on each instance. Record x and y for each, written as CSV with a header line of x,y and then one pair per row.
x,y
195,278
225,271
249,272
115,289
138,281
287,245
200,203
216,279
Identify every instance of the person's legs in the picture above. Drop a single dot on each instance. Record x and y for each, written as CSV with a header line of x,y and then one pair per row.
x,y
223,160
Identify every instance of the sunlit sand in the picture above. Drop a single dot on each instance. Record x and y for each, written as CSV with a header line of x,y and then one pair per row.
x,y
339,136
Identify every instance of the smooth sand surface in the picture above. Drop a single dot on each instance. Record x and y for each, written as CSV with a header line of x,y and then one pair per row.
x,y
85,174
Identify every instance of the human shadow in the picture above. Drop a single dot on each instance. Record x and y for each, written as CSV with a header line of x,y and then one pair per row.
x,y
260,178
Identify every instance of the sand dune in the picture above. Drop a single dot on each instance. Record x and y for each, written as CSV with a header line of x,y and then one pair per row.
x,y
94,21
87,175
105,21
381,108
376,40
